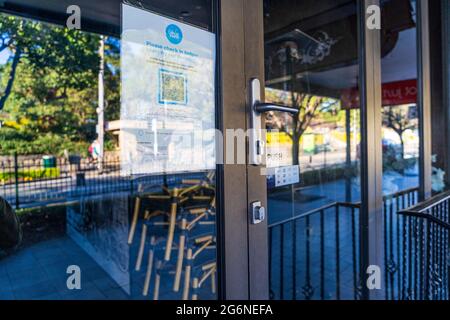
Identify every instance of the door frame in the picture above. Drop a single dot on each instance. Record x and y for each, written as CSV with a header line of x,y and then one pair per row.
x,y
244,246
244,254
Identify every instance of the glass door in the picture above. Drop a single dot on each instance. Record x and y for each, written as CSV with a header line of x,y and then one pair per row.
x,y
346,120
311,62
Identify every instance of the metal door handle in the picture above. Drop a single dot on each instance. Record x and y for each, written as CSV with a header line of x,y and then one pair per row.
x,y
266,107
257,145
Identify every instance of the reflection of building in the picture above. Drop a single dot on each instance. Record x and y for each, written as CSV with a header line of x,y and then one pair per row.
x,y
113,127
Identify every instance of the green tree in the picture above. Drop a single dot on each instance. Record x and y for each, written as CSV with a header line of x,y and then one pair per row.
x,y
48,88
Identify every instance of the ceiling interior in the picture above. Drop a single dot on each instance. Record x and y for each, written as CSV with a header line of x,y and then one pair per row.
x,y
103,16
284,20
299,25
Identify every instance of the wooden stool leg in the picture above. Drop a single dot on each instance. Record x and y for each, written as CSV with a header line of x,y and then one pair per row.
x,y
195,287
157,282
137,207
141,247
172,221
187,275
179,266
148,275
213,282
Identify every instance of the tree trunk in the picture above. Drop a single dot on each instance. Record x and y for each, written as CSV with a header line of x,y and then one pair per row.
x,y
12,76
295,149
402,147
402,154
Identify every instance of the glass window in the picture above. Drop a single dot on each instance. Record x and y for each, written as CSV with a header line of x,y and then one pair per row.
x,y
89,229
311,63
400,130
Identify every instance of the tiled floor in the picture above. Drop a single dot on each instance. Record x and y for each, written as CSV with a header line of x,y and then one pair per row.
x,y
39,272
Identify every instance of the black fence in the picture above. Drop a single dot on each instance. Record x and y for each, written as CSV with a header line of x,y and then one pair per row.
x,y
425,251
316,255
32,183
393,239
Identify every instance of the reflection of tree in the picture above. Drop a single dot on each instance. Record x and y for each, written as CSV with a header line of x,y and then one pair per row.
x,y
308,106
397,119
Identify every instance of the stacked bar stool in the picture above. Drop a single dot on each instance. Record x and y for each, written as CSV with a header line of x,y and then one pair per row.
x,y
178,231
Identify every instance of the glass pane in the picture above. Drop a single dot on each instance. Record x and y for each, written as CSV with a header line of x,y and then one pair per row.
x,y
89,228
399,88
311,55
400,131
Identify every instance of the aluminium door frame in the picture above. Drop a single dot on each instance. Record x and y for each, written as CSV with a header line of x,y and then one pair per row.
x,y
244,255
424,99
244,250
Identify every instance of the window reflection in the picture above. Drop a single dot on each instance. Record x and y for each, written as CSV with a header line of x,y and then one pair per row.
x,y
399,96
312,67
131,236
311,63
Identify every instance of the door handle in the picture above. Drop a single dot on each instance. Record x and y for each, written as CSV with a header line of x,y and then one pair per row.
x,y
262,107
257,140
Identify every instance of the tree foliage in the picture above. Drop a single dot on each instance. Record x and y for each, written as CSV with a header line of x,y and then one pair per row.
x,y
48,86
310,108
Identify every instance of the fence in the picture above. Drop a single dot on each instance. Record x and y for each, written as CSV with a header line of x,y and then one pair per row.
x,y
425,251
31,183
393,237
316,255
331,235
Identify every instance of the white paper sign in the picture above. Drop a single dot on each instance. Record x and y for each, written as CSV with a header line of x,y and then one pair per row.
x,y
168,95
288,175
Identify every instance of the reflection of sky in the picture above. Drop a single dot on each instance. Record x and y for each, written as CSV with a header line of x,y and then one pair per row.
x,y
4,55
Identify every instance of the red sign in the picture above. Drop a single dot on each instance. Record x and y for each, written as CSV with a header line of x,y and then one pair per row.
x,y
393,94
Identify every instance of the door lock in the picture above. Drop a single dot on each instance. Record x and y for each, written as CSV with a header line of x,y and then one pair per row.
x,y
258,212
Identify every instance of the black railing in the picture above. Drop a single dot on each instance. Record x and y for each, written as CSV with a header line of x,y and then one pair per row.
x,y
424,271
316,255
32,182
393,238
326,251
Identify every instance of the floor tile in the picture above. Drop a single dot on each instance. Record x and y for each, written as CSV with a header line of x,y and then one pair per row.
x,y
116,294
34,291
87,292
23,278
6,295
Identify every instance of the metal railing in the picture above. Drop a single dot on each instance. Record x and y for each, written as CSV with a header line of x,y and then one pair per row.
x,y
29,183
316,255
393,237
425,264
325,246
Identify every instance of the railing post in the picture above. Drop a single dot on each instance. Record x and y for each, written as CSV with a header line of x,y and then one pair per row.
x,y
16,179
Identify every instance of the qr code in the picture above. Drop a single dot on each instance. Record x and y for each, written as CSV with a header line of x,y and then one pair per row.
x,y
173,88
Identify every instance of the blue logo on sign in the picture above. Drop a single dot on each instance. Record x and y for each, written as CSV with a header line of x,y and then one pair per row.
x,y
174,34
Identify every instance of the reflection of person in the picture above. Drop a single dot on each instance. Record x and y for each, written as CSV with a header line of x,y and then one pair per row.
x,y
94,150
